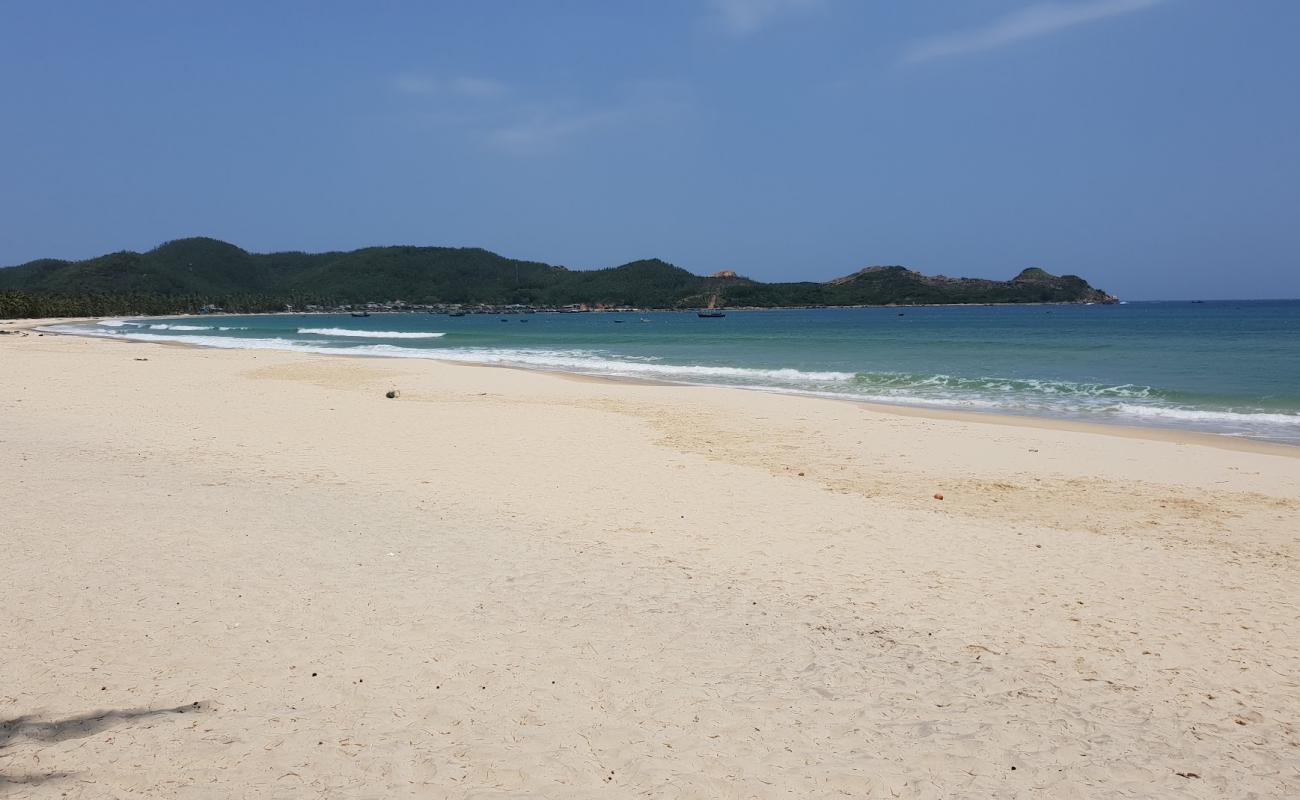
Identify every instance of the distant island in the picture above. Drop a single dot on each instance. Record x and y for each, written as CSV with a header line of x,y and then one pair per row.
x,y
198,274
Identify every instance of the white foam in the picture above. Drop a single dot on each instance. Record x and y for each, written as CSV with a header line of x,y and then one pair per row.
x,y
1035,386
372,334
167,327
1046,397
1194,415
900,399
592,363
115,323
584,361
224,342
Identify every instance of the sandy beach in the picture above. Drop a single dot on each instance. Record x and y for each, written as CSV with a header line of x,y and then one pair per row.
x,y
250,574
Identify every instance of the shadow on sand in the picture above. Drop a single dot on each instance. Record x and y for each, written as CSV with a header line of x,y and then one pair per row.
x,y
32,727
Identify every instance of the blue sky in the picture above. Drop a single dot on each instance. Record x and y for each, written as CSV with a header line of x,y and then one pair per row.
x,y
1152,146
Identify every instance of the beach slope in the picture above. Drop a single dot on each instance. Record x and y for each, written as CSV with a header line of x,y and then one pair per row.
x,y
235,573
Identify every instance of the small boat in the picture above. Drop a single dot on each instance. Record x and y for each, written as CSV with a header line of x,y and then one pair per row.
x,y
361,314
617,321
712,312
455,313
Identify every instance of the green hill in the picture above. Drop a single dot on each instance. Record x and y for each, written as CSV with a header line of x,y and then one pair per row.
x,y
187,274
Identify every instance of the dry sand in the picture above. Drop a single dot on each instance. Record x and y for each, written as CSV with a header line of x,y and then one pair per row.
x,y
248,574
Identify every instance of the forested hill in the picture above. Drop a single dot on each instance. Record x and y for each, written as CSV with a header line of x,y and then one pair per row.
x,y
187,274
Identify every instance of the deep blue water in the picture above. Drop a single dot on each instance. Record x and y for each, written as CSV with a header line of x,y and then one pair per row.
x,y
1230,367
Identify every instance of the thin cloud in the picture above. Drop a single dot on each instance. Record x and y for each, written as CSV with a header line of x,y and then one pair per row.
x,y
476,87
1032,22
545,127
415,84
461,86
546,130
743,17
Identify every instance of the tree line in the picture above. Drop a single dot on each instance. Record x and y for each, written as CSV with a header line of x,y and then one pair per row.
x,y
16,304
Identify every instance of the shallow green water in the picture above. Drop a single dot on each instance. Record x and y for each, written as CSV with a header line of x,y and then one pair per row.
x,y
1225,367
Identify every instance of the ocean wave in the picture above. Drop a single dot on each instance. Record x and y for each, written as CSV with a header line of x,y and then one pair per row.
x,y
591,362
1208,416
372,334
223,342
584,361
995,385
1082,400
162,326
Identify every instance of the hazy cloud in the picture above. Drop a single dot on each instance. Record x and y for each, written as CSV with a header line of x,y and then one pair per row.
x,y
540,128
544,130
519,122
476,87
415,84
461,86
1042,19
743,17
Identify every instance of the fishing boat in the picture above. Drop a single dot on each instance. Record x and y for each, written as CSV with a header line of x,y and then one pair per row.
x,y
361,313
712,312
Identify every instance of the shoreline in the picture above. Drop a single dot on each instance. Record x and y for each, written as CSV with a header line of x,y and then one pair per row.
x,y
1148,433
1130,431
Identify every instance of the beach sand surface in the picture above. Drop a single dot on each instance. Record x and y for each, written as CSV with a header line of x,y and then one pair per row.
x,y
249,574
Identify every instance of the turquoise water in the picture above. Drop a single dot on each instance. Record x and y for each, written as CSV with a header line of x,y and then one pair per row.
x,y
1225,367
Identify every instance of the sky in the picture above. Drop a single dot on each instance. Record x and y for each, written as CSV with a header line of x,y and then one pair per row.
x,y
1150,146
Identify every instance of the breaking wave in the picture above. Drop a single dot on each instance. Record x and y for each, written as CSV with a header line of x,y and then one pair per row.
x,y
1205,415
994,385
372,334
1132,403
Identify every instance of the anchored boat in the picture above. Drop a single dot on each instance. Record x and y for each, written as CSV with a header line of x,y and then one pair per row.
x,y
712,312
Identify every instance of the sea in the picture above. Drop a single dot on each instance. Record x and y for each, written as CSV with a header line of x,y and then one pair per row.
x,y
1225,367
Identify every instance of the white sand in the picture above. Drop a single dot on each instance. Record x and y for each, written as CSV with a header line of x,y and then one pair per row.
x,y
510,584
